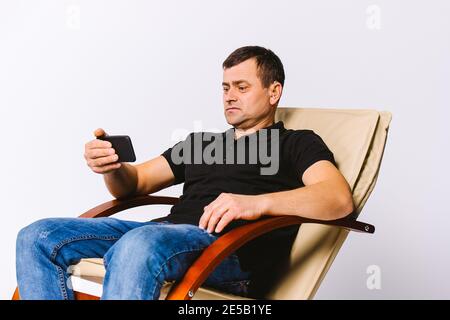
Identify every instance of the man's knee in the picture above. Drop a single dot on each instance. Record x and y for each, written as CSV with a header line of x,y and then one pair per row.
x,y
37,234
35,231
145,248
152,247
135,245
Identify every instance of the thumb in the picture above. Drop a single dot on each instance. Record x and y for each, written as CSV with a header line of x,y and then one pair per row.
x,y
99,133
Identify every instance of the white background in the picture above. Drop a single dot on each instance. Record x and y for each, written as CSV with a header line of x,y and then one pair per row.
x,y
151,69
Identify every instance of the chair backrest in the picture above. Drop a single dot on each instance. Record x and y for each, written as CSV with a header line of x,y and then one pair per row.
x,y
357,139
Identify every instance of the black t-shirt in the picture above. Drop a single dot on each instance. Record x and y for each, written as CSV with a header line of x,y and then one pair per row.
x,y
204,181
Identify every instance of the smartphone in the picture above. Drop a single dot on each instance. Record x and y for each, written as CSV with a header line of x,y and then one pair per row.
x,y
123,147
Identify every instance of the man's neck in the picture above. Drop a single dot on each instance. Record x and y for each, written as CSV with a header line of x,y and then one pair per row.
x,y
239,132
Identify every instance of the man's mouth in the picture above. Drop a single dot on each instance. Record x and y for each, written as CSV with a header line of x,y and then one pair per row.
x,y
232,109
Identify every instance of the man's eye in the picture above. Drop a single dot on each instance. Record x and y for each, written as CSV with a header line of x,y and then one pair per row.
x,y
225,89
242,88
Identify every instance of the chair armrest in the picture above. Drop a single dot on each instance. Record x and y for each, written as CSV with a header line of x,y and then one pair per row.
x,y
212,256
111,207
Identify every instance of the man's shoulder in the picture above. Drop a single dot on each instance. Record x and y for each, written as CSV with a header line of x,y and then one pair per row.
x,y
300,135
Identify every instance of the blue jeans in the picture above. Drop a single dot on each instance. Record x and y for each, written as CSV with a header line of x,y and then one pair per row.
x,y
138,257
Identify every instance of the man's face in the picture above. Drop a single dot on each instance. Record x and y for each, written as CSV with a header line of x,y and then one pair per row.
x,y
245,100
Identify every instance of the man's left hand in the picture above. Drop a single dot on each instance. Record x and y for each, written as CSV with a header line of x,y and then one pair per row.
x,y
228,207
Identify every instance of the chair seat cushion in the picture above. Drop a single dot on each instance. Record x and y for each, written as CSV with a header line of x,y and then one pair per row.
x,y
87,277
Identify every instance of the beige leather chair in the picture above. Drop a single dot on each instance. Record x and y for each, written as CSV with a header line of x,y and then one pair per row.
x,y
356,137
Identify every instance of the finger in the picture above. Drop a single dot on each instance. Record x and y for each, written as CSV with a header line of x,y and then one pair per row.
x,y
224,221
107,168
204,218
99,162
215,217
99,132
208,210
98,153
97,143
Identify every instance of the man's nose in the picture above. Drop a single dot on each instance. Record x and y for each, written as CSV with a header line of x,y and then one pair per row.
x,y
230,95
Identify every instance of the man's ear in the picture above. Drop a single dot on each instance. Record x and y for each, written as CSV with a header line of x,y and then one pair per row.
x,y
275,91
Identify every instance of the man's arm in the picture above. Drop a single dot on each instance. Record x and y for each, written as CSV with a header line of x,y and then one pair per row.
x,y
124,179
326,195
145,178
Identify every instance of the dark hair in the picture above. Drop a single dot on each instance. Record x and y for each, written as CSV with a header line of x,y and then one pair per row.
x,y
269,66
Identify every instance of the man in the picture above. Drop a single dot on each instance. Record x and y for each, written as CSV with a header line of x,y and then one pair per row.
x,y
217,197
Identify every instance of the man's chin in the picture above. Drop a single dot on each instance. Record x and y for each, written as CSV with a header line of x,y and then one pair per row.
x,y
233,121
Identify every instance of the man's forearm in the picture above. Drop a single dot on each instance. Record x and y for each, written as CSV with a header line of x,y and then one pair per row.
x,y
121,182
318,201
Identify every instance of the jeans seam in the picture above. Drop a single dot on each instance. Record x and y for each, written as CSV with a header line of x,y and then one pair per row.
x,y
167,260
62,282
60,271
246,281
78,238
242,285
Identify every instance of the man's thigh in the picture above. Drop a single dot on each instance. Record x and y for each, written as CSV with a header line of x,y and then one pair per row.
x,y
171,249
67,240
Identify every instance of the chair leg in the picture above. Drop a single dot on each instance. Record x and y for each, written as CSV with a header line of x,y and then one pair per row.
x,y
84,296
16,295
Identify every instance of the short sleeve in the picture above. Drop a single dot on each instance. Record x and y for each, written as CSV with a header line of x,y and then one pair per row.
x,y
173,156
306,149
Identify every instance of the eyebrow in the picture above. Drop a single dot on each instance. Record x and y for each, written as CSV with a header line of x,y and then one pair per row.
x,y
235,82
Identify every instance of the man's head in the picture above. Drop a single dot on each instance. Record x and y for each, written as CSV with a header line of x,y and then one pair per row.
x,y
253,80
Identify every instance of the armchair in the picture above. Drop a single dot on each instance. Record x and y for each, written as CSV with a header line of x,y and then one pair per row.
x,y
357,139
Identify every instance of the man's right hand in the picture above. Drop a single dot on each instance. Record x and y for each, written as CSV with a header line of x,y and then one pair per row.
x,y
99,154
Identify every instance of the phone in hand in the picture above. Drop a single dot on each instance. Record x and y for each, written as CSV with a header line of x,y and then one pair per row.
x,y
123,147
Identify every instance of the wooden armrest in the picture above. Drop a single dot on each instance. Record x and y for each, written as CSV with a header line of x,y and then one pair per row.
x,y
111,207
225,245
